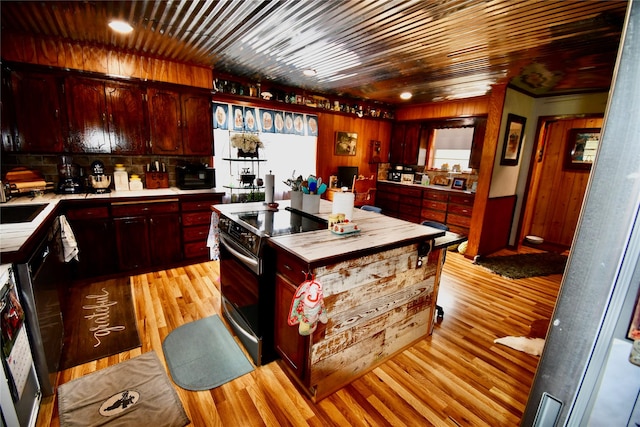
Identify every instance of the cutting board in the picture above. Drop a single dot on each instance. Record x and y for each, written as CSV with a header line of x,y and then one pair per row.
x,y
25,179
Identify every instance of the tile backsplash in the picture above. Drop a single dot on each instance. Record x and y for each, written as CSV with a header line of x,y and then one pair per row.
x,y
48,164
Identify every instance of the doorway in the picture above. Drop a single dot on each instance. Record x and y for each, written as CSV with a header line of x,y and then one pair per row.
x,y
555,193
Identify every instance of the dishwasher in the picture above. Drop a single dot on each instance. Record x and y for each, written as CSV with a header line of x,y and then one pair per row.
x,y
42,280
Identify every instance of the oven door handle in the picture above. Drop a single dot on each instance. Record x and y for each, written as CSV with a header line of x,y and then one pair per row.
x,y
231,247
237,328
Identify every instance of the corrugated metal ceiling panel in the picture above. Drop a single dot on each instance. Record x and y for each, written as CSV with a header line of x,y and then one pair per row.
x,y
365,48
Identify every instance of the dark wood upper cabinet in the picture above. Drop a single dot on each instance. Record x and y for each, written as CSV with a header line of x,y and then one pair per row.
x,y
39,119
165,121
180,122
105,117
127,118
197,127
405,140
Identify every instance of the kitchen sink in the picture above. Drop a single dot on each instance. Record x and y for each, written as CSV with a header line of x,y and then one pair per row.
x,y
15,214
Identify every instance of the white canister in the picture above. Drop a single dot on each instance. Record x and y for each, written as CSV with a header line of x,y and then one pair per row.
x,y
121,180
296,200
343,203
135,183
311,203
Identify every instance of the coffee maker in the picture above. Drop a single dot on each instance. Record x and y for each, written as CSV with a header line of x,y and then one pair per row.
x,y
70,177
99,181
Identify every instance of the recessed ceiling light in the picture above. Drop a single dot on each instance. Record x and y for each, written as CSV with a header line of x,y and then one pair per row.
x,y
405,95
309,72
120,26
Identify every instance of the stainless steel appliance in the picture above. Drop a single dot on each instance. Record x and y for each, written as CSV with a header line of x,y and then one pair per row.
x,y
70,176
20,394
195,176
247,290
41,280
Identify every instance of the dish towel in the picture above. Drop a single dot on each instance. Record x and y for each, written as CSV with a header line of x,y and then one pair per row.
x,y
307,307
212,239
69,244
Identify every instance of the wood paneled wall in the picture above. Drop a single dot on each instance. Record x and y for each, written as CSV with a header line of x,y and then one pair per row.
x,y
55,53
477,106
367,130
556,196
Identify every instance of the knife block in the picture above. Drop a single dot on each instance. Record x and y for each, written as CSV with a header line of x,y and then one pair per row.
x,y
157,180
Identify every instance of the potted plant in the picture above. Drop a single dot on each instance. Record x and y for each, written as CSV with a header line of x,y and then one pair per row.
x,y
247,144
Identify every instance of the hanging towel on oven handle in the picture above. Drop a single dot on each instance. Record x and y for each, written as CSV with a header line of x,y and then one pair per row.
x,y
307,307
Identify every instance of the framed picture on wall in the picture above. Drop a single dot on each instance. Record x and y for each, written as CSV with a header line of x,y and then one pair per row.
x,y
346,143
581,149
512,140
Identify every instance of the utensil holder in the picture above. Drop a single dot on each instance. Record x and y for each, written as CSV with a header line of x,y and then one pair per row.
x,y
157,179
296,200
311,203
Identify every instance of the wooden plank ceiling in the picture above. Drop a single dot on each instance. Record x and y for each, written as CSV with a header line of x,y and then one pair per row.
x,y
370,49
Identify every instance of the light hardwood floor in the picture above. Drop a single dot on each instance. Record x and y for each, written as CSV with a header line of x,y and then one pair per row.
x,y
456,377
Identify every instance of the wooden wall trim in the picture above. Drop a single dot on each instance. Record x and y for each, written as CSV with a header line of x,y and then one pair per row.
x,y
496,227
492,135
64,54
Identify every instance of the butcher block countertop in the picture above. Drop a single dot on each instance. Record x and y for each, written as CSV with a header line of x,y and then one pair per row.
x,y
377,232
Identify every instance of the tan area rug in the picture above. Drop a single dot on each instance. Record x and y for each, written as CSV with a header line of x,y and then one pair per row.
x,y
99,320
136,392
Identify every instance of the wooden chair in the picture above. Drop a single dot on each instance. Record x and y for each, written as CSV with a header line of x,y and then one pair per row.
x,y
364,190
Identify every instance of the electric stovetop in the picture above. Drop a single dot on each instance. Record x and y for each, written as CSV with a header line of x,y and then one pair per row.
x,y
281,222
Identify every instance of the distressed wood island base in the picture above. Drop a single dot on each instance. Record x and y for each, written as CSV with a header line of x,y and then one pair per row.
x,y
380,288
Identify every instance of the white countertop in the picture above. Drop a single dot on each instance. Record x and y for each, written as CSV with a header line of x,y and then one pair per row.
x,y
377,231
13,236
430,186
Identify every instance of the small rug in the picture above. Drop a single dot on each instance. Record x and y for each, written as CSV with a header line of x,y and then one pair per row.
x,y
202,355
522,266
532,346
99,320
136,392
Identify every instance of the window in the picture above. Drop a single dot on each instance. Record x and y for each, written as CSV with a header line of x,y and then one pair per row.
x,y
451,146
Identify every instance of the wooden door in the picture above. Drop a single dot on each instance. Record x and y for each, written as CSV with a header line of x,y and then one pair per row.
x,y
86,107
197,127
127,121
38,113
165,122
556,195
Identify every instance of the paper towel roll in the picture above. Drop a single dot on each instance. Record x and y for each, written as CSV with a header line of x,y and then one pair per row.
x,y
343,203
269,182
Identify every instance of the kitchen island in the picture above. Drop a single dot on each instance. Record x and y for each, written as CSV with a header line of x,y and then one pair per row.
x,y
379,285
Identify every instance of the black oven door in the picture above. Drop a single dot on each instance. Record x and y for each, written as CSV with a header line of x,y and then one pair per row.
x,y
240,289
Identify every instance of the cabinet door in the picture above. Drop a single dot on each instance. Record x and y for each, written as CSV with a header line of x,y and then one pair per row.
x,y
87,112
165,122
132,237
396,150
290,345
93,230
38,114
165,245
411,144
197,136
128,127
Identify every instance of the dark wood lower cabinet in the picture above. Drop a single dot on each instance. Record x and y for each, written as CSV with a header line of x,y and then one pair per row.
x,y
290,345
94,233
136,235
147,234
